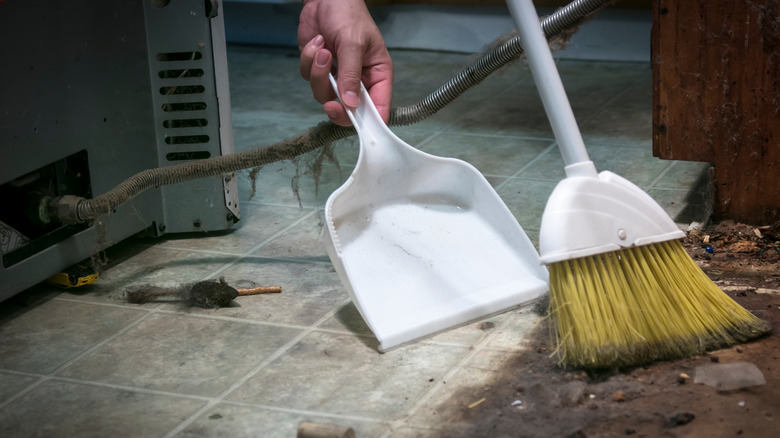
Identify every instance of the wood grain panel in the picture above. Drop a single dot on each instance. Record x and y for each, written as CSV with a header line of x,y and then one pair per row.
x,y
716,98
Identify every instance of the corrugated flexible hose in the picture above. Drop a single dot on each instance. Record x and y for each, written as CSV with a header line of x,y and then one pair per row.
x,y
71,209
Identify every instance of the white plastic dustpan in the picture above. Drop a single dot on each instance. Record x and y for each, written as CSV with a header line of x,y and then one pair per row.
x,y
422,243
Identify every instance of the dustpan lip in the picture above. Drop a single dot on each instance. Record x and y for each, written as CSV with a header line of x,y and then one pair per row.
x,y
453,314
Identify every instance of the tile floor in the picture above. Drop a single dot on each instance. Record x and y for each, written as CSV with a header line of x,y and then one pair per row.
x,y
86,363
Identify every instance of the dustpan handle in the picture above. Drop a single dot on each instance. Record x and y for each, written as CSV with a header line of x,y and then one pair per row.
x,y
548,81
365,118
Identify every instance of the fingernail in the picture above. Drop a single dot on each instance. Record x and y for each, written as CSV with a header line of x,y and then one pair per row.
x,y
318,40
331,114
350,99
322,58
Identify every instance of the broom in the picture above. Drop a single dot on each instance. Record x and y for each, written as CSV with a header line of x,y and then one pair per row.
x,y
623,291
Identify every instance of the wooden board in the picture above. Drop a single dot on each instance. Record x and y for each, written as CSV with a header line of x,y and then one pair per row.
x,y
716,98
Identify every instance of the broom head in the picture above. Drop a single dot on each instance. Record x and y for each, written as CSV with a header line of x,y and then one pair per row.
x,y
623,291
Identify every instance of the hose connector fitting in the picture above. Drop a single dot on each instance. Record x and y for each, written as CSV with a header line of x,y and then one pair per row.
x,y
64,209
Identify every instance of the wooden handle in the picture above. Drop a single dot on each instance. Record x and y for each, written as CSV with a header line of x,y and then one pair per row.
x,y
260,290
324,430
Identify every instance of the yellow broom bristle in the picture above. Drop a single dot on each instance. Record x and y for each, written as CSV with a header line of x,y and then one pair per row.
x,y
639,305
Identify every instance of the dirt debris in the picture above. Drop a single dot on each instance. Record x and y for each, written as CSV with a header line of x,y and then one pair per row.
x,y
732,246
658,399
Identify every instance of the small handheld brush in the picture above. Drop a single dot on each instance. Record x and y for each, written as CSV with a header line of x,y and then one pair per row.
x,y
623,291
206,294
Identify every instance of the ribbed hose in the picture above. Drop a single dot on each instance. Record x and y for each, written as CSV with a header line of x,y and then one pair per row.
x,y
82,210
309,140
563,19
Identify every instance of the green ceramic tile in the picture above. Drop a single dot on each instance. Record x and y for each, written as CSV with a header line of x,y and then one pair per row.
x,y
547,167
305,240
491,155
620,127
47,336
269,84
258,223
11,384
591,85
637,96
682,205
66,409
418,432
526,200
181,354
516,112
513,332
251,131
347,319
636,164
472,333
683,174
245,421
343,374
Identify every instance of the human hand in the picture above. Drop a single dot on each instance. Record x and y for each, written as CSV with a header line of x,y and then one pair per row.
x,y
344,30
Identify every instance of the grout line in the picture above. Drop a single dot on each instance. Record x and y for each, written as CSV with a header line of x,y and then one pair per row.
x,y
192,397
505,136
43,378
554,144
672,189
546,151
427,139
254,371
122,331
159,245
477,348
294,204
305,412
260,245
131,388
280,205
661,175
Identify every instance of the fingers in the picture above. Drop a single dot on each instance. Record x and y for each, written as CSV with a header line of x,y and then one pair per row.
x,y
318,79
308,53
357,61
316,62
382,94
336,113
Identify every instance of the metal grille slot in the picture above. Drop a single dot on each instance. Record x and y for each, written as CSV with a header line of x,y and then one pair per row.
x,y
182,89
181,156
184,106
180,73
185,123
187,139
179,56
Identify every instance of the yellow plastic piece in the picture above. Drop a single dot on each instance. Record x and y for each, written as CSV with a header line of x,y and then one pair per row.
x,y
76,276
